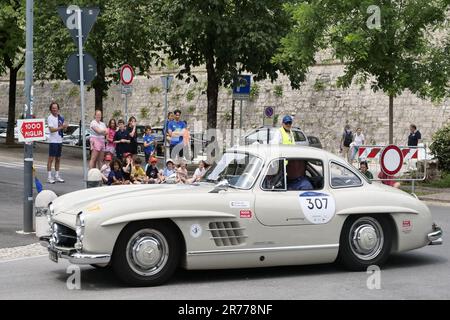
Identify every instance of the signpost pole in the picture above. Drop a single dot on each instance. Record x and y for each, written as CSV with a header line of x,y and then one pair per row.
x,y
240,116
83,120
232,122
166,81
28,148
126,108
166,107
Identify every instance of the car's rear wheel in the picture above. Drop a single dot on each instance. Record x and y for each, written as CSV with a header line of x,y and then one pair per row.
x,y
365,241
146,253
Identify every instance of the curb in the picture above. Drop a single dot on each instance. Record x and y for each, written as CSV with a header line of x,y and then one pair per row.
x,y
14,253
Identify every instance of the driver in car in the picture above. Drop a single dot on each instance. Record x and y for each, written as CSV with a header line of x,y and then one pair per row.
x,y
296,176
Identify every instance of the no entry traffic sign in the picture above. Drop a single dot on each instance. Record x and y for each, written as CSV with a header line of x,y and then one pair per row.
x,y
31,130
391,160
126,74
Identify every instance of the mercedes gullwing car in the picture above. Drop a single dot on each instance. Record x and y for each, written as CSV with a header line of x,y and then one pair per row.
x,y
259,206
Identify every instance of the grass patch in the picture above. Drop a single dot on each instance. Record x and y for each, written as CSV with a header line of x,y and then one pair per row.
x,y
444,182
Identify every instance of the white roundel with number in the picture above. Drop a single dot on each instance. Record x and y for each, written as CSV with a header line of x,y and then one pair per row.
x,y
318,207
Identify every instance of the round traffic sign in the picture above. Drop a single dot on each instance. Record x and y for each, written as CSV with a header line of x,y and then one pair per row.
x,y
268,112
126,74
391,160
73,68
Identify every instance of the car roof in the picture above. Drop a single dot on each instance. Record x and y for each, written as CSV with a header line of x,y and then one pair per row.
x,y
272,128
271,151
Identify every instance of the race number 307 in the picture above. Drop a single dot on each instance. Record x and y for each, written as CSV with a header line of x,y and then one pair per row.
x,y
317,203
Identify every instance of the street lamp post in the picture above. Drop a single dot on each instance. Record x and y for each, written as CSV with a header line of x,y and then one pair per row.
x,y
166,82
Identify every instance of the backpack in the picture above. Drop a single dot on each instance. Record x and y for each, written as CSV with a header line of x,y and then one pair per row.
x,y
348,138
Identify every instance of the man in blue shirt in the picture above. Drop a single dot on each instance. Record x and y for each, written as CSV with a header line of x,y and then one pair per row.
x,y
176,130
296,176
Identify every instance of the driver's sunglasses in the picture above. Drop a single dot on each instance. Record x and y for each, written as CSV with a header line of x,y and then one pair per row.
x,y
288,123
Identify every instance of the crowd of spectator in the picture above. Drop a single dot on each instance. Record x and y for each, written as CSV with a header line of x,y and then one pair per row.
x,y
114,151
131,171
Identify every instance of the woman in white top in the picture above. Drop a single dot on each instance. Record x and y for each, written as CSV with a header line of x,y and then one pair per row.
x,y
97,140
358,140
199,172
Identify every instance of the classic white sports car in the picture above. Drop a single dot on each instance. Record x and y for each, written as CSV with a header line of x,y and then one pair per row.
x,y
259,206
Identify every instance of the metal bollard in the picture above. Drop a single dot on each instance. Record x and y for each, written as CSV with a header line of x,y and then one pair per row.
x,y
41,213
94,178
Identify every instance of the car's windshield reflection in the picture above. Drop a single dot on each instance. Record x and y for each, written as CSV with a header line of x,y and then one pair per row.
x,y
239,169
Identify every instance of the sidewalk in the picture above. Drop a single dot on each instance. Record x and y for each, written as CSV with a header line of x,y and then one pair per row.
x,y
440,195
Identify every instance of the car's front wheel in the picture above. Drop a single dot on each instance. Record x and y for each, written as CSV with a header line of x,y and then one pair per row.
x,y
365,241
146,253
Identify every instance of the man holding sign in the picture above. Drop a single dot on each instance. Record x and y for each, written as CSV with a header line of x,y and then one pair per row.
x,y
56,127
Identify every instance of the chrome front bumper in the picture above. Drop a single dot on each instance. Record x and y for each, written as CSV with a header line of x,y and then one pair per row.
x,y
435,237
75,257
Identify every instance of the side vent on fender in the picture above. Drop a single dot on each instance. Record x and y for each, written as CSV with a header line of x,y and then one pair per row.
x,y
227,233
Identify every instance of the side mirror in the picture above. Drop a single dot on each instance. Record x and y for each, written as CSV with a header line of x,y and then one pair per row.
x,y
221,186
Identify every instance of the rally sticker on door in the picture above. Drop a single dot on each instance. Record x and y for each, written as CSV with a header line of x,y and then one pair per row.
x,y
318,207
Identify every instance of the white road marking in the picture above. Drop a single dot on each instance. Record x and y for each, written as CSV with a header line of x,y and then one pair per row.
x,y
19,165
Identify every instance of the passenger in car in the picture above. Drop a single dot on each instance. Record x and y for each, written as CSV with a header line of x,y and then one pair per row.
x,y
296,176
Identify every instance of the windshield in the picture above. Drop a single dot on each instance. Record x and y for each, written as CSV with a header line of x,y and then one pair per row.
x,y
239,169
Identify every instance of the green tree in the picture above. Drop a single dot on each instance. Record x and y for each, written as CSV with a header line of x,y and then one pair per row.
x,y
221,35
122,34
398,45
12,52
441,147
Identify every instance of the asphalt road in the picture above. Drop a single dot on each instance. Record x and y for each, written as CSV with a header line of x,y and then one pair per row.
x,y
418,274
11,194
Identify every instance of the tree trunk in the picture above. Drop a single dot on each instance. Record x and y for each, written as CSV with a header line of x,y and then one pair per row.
x,y
212,93
391,119
11,105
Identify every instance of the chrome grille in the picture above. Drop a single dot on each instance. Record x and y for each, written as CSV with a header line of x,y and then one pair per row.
x,y
227,233
63,236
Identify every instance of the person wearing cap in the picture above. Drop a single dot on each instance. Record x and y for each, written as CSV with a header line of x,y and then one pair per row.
x,y
152,172
106,168
169,171
284,135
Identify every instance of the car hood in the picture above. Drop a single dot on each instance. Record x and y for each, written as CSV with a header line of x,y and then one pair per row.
x,y
74,202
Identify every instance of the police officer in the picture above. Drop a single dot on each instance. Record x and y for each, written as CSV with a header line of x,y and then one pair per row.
x,y
284,135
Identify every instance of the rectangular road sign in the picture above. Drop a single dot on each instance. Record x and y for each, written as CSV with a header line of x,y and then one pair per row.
x,y
241,90
31,130
126,90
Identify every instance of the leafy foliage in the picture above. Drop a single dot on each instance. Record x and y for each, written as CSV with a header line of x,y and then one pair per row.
x,y
404,53
190,95
12,52
220,34
122,34
441,147
254,91
144,113
278,91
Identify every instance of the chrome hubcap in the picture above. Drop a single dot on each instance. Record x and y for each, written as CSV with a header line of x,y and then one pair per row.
x,y
366,238
147,252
